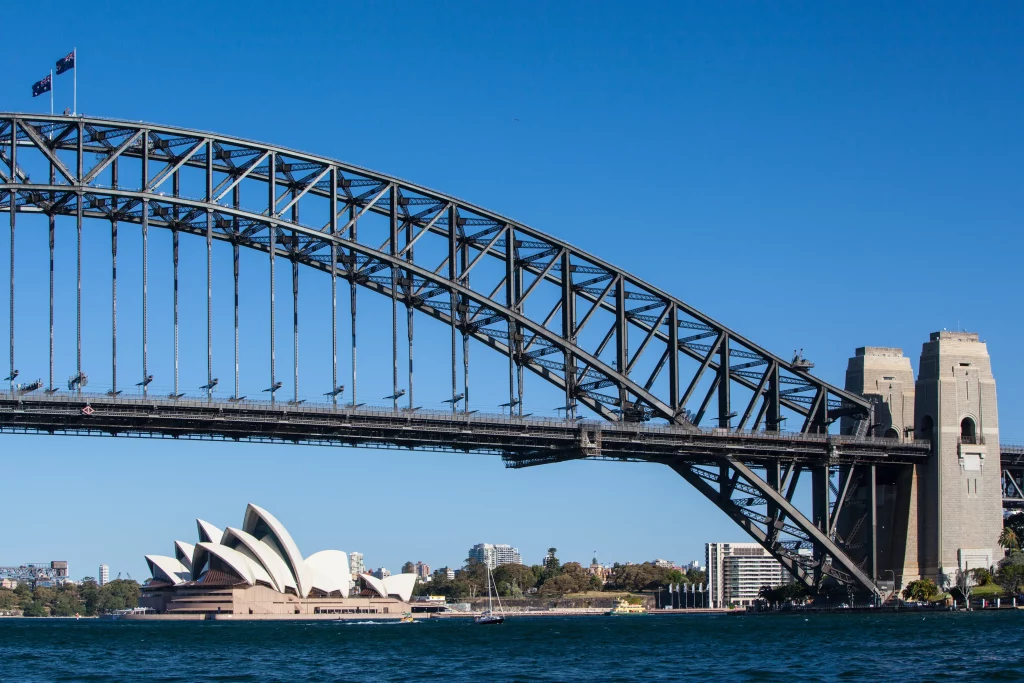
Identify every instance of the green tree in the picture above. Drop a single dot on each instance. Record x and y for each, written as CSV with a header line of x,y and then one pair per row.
x,y
8,600
23,595
513,578
675,576
409,568
696,577
922,589
89,594
119,594
1010,572
982,576
638,577
1008,539
551,562
35,608
474,578
66,604
1016,522
44,595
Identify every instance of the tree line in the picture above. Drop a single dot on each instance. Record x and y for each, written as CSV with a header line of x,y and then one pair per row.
x,y
85,599
551,578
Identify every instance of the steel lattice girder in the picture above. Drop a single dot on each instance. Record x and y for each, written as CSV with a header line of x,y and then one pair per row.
x,y
532,262
530,254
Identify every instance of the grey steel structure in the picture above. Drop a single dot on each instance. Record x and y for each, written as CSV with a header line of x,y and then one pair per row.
x,y
653,368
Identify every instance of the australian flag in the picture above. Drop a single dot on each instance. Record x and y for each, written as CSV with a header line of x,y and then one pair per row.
x,y
41,87
66,63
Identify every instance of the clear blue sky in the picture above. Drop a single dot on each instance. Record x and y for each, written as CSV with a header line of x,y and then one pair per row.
x,y
823,176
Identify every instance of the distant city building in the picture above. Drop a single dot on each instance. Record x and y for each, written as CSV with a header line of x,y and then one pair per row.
x,y
693,565
9,583
355,563
448,572
423,570
104,574
596,569
737,571
382,573
666,564
495,555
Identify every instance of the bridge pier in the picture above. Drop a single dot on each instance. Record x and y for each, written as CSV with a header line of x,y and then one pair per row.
x,y
933,519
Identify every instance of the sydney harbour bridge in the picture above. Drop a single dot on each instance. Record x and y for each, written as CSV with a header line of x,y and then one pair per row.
x,y
643,376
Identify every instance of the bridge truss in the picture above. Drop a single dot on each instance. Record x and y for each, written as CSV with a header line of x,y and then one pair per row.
x,y
615,347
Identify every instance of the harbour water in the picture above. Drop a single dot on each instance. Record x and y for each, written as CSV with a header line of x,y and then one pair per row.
x,y
816,647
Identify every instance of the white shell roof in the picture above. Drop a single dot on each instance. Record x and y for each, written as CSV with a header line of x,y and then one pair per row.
x,y
250,571
396,584
208,532
183,552
273,563
166,568
283,540
329,571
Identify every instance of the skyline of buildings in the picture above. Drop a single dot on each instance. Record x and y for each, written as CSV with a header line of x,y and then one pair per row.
x,y
495,555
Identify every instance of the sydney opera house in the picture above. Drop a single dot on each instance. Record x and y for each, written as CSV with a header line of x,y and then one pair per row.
x,y
257,572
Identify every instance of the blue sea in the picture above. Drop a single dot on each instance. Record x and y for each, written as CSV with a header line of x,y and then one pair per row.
x,y
815,647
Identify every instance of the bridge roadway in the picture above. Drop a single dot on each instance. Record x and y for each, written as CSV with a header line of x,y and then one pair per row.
x,y
521,441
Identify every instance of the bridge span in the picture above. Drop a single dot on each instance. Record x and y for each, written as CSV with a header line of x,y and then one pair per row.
x,y
642,375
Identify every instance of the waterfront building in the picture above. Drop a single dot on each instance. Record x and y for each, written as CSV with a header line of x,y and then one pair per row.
x,y
256,571
355,563
737,571
423,570
104,576
495,555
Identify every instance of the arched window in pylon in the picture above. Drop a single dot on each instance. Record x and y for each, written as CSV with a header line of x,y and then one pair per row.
x,y
927,430
968,431
891,433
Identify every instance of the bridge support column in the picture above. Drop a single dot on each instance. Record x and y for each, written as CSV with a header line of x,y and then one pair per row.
x,y
878,525
960,511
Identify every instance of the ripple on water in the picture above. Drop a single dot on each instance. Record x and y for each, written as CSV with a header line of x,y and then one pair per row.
x,y
847,647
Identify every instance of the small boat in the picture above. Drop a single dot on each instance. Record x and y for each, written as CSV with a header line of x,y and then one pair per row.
x,y
489,618
626,608
407,619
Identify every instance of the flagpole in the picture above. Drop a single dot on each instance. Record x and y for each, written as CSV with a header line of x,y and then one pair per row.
x,y
74,104
51,92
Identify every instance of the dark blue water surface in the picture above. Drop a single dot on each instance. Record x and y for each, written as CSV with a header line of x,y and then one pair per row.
x,y
818,647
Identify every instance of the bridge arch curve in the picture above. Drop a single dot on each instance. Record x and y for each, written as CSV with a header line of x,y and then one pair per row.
x,y
709,361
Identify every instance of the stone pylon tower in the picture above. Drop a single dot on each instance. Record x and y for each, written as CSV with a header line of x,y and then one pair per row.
x,y
887,542
959,494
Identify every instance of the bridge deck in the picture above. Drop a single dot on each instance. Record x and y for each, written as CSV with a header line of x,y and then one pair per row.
x,y
522,441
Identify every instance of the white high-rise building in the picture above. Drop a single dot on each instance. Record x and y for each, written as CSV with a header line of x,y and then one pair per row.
x,y
495,555
104,574
737,571
355,564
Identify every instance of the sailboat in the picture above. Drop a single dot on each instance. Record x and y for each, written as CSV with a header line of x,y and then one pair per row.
x,y
489,618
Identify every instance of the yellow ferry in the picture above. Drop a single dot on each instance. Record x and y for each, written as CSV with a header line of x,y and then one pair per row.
x,y
624,607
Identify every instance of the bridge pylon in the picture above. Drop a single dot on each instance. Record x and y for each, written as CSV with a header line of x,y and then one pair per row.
x,y
960,511
930,520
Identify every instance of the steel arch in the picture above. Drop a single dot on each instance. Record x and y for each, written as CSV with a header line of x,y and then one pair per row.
x,y
582,372
607,376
